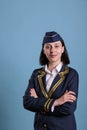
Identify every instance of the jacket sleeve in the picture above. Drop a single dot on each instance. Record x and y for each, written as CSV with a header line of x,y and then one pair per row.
x,y
72,85
31,103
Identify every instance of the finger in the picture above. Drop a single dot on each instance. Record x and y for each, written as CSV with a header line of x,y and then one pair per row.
x,y
32,89
72,97
66,91
71,92
70,100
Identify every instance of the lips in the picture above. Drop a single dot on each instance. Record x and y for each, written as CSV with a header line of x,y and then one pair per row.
x,y
52,56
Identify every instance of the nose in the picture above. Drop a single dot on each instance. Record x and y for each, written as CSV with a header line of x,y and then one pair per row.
x,y
51,49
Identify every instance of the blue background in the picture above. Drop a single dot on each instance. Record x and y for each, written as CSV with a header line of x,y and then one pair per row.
x,y
22,27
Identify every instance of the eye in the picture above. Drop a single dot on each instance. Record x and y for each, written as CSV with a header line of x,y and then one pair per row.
x,y
56,46
47,47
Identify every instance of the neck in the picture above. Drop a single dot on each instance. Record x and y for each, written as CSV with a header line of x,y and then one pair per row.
x,y
51,66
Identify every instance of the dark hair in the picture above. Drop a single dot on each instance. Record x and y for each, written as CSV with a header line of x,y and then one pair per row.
x,y
65,57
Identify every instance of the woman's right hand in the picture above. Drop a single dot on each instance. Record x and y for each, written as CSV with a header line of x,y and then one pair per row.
x,y
33,93
69,96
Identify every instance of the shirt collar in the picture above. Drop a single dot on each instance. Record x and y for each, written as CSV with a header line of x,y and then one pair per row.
x,y
57,68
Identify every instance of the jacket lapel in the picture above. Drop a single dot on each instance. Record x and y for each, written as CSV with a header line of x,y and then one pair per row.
x,y
55,84
42,82
57,78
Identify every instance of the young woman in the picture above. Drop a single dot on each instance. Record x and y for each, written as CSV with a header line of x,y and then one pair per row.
x,y
53,89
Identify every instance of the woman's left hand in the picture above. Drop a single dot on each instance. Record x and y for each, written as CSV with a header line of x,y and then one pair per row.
x,y
33,93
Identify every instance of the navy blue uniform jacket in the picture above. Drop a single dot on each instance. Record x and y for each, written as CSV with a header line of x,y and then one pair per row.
x,y
62,118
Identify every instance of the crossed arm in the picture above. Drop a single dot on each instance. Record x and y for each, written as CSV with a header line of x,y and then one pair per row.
x,y
68,96
65,104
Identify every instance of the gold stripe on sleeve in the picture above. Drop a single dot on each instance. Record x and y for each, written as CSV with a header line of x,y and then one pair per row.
x,y
45,105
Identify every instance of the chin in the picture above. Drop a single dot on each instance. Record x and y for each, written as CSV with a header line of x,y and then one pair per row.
x,y
53,61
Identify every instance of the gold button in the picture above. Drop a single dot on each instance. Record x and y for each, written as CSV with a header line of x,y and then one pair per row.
x,y
45,125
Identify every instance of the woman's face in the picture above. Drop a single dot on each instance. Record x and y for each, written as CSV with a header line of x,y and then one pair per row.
x,y
53,51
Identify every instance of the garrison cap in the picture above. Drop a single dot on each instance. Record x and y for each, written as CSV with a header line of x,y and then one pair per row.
x,y
51,37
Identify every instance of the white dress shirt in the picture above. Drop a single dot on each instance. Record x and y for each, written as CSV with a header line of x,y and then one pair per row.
x,y
51,75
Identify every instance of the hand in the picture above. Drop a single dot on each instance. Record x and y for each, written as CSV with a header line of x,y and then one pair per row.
x,y
69,96
33,93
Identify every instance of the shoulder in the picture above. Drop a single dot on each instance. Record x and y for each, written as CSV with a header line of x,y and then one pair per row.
x,y
37,71
73,72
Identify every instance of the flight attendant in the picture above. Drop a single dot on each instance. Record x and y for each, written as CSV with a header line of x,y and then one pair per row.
x,y
52,90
